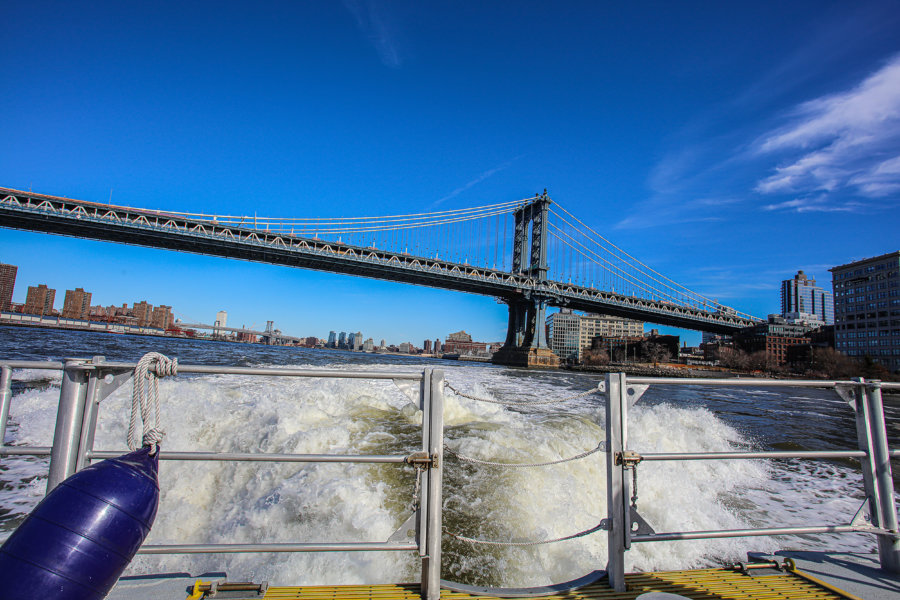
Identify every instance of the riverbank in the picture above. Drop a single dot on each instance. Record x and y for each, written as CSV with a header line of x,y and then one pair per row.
x,y
662,370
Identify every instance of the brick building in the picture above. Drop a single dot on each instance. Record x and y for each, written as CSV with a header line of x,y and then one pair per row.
x,y
162,317
774,337
39,300
77,304
461,343
143,313
7,283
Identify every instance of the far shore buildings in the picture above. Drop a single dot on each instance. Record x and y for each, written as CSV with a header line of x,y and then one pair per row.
x,y
774,337
570,333
867,309
802,301
7,284
77,304
39,300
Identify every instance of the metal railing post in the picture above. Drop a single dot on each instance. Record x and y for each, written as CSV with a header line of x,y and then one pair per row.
x,y
5,398
91,407
616,406
433,443
69,420
886,516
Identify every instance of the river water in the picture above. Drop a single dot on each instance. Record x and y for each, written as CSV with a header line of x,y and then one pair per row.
x,y
243,502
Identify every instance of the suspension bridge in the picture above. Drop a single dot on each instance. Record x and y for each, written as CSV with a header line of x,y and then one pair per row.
x,y
530,254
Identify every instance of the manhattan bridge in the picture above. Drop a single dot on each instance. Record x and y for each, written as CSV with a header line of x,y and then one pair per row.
x,y
530,254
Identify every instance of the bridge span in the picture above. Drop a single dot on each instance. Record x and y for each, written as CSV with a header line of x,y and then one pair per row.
x,y
525,287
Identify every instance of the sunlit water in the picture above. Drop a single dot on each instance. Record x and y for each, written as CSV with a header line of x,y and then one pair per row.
x,y
227,502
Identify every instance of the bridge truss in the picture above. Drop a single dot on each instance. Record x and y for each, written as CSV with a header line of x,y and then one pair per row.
x,y
482,250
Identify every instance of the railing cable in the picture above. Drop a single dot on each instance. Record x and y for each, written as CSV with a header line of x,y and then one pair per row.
x,y
599,388
601,526
469,459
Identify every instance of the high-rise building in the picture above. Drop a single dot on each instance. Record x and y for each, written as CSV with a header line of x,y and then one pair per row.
x,y
867,309
39,300
438,348
369,345
143,312
77,304
571,334
802,301
332,339
564,334
357,341
426,346
220,323
7,283
162,317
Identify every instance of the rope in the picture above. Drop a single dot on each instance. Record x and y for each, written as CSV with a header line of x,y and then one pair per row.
x,y
600,526
599,388
468,459
145,399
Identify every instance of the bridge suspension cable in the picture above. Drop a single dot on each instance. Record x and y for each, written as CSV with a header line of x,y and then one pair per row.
x,y
408,218
585,255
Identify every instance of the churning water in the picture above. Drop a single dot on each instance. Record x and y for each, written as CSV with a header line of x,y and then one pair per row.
x,y
229,502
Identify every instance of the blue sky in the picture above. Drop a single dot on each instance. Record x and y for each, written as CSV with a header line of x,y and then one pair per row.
x,y
725,144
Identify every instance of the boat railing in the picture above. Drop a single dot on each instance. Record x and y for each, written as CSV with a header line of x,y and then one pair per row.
x,y
877,515
87,382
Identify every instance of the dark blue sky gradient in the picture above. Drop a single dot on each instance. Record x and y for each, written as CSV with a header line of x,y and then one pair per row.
x,y
657,123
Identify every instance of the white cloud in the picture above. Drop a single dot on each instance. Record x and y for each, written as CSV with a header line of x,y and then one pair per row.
x,y
373,22
668,212
881,180
820,203
846,140
475,181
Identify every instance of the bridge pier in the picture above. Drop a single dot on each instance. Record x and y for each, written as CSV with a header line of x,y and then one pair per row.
x,y
526,337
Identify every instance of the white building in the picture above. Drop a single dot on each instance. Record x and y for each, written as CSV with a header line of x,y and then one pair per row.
x,y
571,334
221,321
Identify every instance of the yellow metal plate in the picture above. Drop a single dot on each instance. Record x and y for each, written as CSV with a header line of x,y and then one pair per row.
x,y
701,584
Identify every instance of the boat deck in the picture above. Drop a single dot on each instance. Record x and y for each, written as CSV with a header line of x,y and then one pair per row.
x,y
706,584
818,575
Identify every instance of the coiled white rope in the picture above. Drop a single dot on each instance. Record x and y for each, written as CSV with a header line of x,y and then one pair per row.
x,y
468,459
145,399
600,388
600,526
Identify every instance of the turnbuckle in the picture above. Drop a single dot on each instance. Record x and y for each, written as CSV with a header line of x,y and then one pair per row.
x,y
422,459
628,459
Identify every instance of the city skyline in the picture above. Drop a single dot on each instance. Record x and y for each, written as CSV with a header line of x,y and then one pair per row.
x,y
9,283
728,152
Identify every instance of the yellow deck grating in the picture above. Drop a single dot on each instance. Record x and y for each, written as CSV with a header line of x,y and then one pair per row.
x,y
701,584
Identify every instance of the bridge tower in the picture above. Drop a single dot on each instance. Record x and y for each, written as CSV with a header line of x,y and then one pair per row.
x,y
526,338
